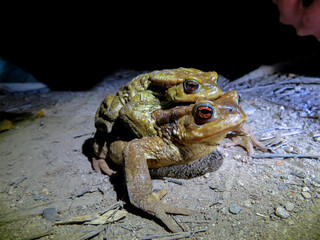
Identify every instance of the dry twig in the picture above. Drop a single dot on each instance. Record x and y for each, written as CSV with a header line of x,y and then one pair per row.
x,y
275,155
173,236
176,181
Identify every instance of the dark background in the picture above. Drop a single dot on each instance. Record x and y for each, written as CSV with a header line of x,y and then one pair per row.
x,y
75,47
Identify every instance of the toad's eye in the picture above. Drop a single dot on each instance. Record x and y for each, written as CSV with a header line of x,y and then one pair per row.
x,y
191,86
204,113
238,100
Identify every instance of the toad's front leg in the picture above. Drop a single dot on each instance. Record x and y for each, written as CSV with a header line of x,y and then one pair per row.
x,y
246,139
140,154
100,152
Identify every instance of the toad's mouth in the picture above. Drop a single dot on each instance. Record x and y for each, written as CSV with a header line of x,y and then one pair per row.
x,y
207,136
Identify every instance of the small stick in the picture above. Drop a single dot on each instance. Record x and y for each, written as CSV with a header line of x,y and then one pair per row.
x,y
17,109
93,233
282,135
261,215
276,128
216,189
285,156
176,181
178,222
40,235
82,135
173,236
197,222
113,206
107,229
15,184
83,193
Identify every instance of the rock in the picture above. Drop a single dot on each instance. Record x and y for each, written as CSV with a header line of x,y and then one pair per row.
x,y
44,191
291,222
297,174
247,204
306,195
305,189
51,214
289,149
235,209
281,212
289,206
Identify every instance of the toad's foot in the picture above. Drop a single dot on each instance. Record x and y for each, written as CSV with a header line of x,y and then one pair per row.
x,y
246,139
139,184
100,150
101,165
152,204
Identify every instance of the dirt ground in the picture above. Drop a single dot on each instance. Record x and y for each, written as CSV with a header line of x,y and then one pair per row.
x,y
43,165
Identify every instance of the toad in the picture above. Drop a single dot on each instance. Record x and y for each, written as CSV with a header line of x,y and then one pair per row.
x,y
157,89
133,104
190,133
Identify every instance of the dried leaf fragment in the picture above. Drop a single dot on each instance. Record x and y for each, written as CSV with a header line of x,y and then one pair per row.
x,y
38,114
109,217
78,219
5,125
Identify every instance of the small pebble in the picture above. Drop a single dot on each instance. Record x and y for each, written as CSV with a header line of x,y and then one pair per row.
x,y
305,189
315,184
306,195
291,222
281,212
83,207
240,183
207,175
51,214
44,191
40,197
247,204
289,206
289,149
235,209
297,174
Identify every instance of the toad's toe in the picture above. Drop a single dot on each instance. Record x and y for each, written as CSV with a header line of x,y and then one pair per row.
x,y
101,165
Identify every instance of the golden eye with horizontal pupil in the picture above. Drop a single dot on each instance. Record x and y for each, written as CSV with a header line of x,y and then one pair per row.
x,y
204,112
191,86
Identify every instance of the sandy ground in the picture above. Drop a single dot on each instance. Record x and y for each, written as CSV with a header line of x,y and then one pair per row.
x,y
43,164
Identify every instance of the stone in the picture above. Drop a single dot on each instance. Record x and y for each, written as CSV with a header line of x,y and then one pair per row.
x,y
51,214
289,206
297,174
306,195
289,149
282,212
305,189
235,209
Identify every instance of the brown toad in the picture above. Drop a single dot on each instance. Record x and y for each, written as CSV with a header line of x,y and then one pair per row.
x,y
190,133
133,104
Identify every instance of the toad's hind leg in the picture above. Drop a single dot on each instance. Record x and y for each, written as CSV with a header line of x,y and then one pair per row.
x,y
139,183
